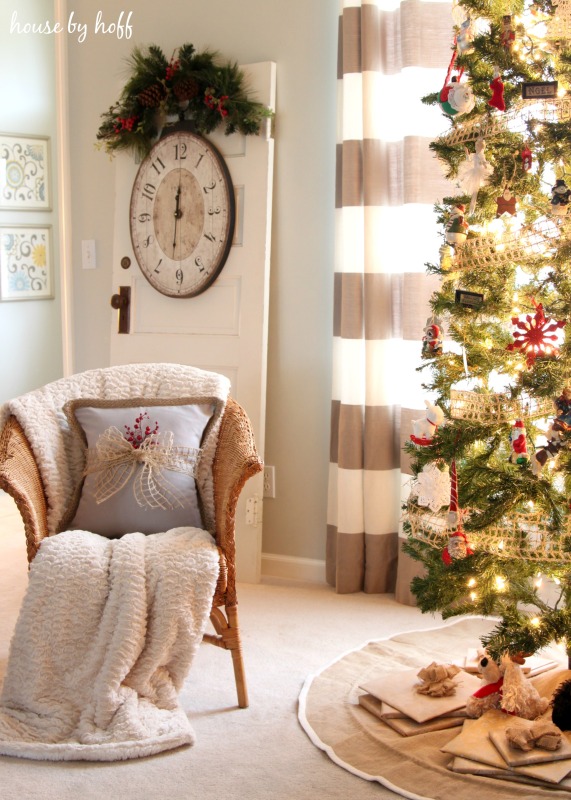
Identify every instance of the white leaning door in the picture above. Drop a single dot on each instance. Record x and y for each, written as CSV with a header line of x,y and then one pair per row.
x,y
225,329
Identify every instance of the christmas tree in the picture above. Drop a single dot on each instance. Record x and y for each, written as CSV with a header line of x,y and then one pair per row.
x,y
489,514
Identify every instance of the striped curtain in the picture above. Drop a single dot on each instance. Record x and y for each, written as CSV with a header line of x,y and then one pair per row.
x,y
390,55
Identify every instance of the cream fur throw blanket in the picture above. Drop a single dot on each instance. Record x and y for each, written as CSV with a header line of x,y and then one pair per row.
x,y
103,643
108,628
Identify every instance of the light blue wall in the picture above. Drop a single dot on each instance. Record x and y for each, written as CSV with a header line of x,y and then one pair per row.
x,y
30,331
301,37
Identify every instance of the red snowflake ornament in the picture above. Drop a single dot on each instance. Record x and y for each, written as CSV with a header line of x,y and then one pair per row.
x,y
535,334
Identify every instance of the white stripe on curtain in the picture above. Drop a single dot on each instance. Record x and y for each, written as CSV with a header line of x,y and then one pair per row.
x,y
389,244
390,54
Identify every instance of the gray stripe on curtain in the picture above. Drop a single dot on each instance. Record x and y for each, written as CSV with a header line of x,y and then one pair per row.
x,y
395,172
345,562
363,305
387,41
359,441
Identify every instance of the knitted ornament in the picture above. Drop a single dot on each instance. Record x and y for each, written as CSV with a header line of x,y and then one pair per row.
x,y
458,545
526,158
497,87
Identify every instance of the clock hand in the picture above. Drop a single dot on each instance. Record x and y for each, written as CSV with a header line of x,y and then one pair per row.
x,y
177,216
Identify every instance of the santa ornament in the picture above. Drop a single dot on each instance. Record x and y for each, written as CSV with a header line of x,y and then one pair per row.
x,y
506,203
455,97
458,545
518,439
507,36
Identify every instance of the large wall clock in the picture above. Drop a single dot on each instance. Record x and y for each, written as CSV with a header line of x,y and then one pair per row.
x,y
182,214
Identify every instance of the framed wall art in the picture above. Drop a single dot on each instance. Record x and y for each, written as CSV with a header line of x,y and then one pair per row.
x,y
24,172
26,265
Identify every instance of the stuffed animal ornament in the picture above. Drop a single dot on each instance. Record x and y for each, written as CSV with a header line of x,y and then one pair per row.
x,y
425,428
505,687
489,695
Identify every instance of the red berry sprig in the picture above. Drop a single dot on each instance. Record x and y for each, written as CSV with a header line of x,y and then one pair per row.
x,y
125,123
140,431
172,69
216,103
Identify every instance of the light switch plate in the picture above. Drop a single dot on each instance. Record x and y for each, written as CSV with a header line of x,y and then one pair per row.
x,y
88,259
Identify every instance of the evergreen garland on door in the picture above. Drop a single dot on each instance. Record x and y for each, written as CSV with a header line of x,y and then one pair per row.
x,y
194,86
503,371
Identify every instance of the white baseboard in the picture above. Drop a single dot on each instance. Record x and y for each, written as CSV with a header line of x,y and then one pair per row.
x,y
310,570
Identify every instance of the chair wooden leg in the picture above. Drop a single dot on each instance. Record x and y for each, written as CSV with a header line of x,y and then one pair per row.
x,y
235,646
229,638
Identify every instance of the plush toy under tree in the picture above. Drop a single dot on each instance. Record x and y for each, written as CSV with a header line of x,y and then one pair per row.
x,y
502,371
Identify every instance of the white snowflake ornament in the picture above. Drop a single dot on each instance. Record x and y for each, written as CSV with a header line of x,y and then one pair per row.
x,y
432,486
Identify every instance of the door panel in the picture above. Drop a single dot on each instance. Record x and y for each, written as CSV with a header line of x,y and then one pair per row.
x,y
225,329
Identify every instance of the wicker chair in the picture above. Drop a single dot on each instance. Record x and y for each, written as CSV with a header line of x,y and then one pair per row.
x,y
235,460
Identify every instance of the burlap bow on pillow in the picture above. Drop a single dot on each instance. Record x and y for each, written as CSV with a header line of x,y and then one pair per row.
x,y
116,461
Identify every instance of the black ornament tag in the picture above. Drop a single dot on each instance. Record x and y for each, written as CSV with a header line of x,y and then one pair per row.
x,y
469,299
539,91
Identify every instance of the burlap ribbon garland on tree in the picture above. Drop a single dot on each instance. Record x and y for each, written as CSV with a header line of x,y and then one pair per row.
x,y
115,461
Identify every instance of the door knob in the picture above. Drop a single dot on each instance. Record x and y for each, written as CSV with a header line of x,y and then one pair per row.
x,y
122,302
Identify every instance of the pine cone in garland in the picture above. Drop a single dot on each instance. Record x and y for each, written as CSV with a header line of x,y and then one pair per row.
x,y
152,96
186,89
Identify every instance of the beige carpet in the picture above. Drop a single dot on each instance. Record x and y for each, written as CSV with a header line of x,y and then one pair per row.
x,y
414,766
259,753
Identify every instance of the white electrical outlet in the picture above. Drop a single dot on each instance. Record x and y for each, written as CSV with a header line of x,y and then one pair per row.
x,y
269,481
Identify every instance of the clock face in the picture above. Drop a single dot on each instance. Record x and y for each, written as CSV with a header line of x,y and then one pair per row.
x,y
182,214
